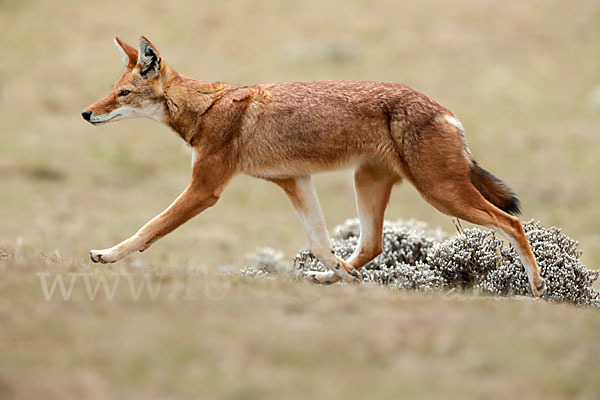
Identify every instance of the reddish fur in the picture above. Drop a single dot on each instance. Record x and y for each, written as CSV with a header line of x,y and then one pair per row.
x,y
286,130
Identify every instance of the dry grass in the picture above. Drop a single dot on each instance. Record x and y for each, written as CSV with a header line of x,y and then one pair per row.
x,y
522,77
244,338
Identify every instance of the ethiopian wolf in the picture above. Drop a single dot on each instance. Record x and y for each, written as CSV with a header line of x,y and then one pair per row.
x,y
285,132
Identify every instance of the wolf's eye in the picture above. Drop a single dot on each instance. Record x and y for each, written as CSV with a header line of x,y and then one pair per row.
x,y
124,92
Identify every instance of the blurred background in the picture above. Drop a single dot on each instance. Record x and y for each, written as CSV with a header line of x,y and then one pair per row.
x,y
522,76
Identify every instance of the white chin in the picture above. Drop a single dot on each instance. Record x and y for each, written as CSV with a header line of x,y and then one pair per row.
x,y
103,119
100,121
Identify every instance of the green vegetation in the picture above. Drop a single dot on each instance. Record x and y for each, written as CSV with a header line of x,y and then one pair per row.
x,y
522,77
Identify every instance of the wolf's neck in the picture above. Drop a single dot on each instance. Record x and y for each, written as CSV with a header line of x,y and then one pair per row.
x,y
187,100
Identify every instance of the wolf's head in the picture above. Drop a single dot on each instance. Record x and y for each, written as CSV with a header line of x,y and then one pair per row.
x,y
139,92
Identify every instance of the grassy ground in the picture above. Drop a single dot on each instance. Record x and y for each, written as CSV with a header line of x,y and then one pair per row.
x,y
522,77
205,337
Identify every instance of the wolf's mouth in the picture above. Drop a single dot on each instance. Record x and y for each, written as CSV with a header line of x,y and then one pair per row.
x,y
103,121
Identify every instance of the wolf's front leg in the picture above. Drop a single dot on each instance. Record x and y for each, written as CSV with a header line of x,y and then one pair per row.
x,y
113,254
203,192
301,193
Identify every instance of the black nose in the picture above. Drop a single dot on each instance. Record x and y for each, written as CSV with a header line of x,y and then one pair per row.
x,y
86,115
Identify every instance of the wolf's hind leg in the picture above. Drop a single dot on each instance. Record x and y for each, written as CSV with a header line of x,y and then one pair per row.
x,y
459,198
373,186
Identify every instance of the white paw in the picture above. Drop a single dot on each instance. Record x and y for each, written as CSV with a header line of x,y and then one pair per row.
x,y
539,289
354,276
103,256
349,275
322,278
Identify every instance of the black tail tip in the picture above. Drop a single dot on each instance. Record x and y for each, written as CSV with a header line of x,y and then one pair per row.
x,y
512,206
494,190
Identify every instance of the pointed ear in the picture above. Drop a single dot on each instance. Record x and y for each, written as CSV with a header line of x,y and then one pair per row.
x,y
149,59
128,53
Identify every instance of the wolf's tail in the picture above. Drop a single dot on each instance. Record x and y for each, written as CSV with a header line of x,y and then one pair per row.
x,y
494,190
